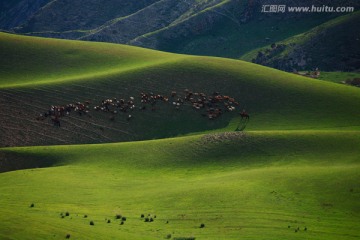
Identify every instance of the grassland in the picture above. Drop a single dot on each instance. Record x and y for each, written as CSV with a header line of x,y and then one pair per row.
x,y
251,185
37,73
296,165
338,77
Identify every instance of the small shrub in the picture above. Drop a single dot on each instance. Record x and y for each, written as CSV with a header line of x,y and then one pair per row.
x,y
32,205
154,216
109,221
122,223
202,225
67,236
168,236
123,219
118,216
92,223
67,214
85,216
305,229
146,219
142,215
151,219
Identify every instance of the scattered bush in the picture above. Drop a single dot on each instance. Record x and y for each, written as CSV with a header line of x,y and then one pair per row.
x,y
122,223
151,220
67,214
32,205
117,216
142,215
154,216
67,236
123,219
168,236
109,221
305,229
92,223
146,219
202,225
85,216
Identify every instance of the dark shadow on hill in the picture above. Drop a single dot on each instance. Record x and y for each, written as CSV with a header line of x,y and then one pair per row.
x,y
12,161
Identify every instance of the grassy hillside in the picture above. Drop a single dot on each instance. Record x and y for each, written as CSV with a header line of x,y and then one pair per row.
x,y
292,174
332,46
224,28
261,185
37,73
338,77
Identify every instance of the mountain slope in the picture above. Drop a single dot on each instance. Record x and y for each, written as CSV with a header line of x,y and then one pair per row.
x,y
226,28
33,79
17,12
333,45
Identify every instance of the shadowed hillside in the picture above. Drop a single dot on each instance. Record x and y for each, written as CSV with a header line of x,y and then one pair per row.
x,y
46,72
332,46
225,28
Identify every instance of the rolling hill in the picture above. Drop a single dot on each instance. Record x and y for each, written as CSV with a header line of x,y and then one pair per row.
x,y
224,28
263,185
37,73
292,174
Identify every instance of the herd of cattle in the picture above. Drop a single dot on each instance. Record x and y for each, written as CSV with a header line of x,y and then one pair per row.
x,y
214,105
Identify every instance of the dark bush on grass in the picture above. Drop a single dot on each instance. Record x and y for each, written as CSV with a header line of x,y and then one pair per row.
x,y
67,214
123,219
154,216
168,236
202,225
109,221
146,219
92,223
85,216
142,215
117,216
32,205
67,236
122,223
151,220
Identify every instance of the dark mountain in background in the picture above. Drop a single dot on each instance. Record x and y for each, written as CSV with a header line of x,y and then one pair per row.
x,y
225,28
334,45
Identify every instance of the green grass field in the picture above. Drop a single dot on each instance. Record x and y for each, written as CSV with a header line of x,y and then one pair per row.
x,y
251,185
296,165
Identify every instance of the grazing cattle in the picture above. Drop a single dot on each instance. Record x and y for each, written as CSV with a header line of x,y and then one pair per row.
x,y
211,106
244,114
